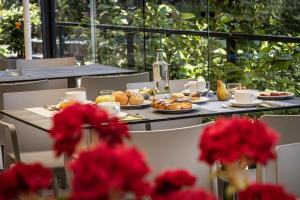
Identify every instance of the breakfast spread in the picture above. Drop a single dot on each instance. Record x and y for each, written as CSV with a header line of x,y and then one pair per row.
x,y
172,104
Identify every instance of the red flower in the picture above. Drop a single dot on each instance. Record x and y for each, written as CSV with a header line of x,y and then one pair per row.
x,y
173,180
228,140
188,194
113,132
104,170
259,191
67,128
22,178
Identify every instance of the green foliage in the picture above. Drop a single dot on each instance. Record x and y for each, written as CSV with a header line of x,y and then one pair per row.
x,y
12,27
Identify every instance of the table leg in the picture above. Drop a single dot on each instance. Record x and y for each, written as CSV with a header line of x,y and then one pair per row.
x,y
148,126
72,82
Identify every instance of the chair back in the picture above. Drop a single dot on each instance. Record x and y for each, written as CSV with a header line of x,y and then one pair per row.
x,y
288,167
286,125
178,85
22,86
140,85
46,63
29,138
173,149
94,84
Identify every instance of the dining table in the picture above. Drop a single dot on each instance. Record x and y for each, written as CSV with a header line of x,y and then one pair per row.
x,y
35,117
71,73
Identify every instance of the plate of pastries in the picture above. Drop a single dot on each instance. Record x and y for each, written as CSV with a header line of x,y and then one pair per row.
x,y
195,98
173,105
130,99
274,95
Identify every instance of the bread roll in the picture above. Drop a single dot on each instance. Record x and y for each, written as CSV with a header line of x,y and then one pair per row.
x,y
131,93
120,97
136,100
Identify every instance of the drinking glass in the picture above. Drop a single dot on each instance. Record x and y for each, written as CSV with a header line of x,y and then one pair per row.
x,y
232,87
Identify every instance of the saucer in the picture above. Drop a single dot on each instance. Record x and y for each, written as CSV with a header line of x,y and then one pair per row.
x,y
245,105
122,115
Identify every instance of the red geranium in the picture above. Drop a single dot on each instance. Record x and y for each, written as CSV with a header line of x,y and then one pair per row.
x,y
229,140
171,185
105,171
22,179
188,194
259,191
170,181
67,127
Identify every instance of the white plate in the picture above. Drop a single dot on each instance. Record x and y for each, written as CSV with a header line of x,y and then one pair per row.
x,y
122,115
245,105
187,92
146,103
275,97
194,106
201,100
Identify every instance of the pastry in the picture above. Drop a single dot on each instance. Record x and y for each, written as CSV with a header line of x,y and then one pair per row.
x,y
120,97
174,106
131,93
177,95
136,100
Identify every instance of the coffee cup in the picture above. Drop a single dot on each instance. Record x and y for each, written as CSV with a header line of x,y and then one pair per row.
x,y
245,96
113,108
79,96
196,86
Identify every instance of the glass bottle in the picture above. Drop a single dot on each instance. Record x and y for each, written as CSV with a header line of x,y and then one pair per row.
x,y
161,73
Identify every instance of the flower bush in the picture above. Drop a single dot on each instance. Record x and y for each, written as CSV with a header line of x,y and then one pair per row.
x,y
67,129
229,140
105,172
22,179
265,192
172,185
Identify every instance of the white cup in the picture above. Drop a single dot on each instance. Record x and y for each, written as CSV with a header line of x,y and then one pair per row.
x,y
196,86
79,96
245,96
113,108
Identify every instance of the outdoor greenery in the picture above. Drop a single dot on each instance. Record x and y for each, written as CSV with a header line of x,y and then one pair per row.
x,y
257,64
12,28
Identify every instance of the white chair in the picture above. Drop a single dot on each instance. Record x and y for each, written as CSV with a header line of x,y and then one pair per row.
x,y
47,63
178,85
26,133
287,126
288,167
175,148
140,85
30,145
18,87
94,84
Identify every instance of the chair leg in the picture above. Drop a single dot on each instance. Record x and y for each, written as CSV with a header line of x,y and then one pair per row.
x,y
55,186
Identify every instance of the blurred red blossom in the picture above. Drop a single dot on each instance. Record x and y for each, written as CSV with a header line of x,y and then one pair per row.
x,y
188,194
106,171
67,127
178,185
229,140
23,179
171,180
259,191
